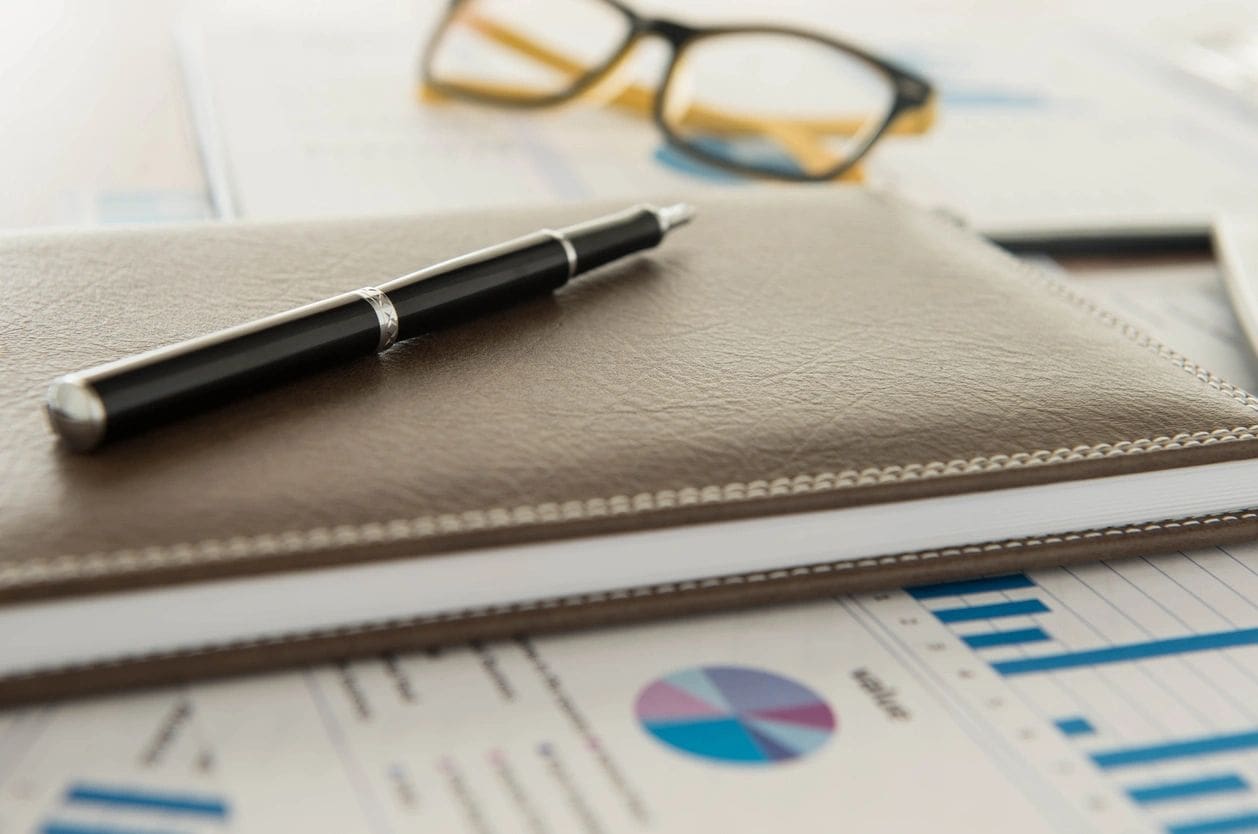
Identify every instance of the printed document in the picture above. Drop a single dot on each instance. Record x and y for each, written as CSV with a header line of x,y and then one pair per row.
x,y
1117,697
1044,124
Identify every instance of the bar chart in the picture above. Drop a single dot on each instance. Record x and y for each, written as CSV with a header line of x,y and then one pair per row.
x,y
1146,668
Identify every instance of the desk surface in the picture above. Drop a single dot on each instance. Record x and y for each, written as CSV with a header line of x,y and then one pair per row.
x,y
93,106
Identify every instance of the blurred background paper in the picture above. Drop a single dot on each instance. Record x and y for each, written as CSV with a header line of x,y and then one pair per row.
x,y
322,118
338,129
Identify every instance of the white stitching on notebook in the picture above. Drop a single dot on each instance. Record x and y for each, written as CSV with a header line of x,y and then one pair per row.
x,y
21,573
324,538
644,591
1141,338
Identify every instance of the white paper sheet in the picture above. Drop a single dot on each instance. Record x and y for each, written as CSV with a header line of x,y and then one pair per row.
x,y
1119,697
1046,124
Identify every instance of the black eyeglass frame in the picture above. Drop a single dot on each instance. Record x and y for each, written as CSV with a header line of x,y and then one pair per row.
x,y
910,91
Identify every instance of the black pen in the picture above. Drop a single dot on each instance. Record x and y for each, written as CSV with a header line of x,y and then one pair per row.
x,y
90,407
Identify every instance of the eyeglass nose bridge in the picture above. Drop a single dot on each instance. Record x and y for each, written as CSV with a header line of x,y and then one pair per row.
x,y
674,32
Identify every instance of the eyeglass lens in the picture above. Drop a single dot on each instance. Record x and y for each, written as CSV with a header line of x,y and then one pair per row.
x,y
521,51
779,103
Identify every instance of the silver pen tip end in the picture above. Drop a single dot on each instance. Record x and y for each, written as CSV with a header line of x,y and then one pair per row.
x,y
678,214
76,413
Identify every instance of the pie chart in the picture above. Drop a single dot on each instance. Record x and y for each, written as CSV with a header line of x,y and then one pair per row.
x,y
735,715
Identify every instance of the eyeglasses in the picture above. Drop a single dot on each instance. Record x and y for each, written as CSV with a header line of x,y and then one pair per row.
x,y
761,100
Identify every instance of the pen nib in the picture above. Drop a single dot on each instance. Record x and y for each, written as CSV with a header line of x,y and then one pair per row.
x,y
678,214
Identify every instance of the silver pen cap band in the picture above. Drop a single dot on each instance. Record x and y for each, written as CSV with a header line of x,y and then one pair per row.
x,y
75,412
386,316
569,250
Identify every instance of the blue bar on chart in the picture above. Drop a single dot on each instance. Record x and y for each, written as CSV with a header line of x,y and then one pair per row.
x,y
1076,725
91,828
178,803
1187,789
1130,652
1005,638
1186,748
1016,608
971,586
1247,821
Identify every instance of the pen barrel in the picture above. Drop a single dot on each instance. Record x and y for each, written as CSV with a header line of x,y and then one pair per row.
x,y
130,395
605,240
467,288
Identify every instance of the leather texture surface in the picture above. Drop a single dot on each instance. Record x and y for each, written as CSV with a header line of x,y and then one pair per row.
x,y
786,353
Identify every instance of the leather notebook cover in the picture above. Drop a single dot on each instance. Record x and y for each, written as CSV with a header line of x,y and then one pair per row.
x,y
781,356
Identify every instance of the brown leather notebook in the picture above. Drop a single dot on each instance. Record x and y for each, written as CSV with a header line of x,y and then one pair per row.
x,y
798,395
